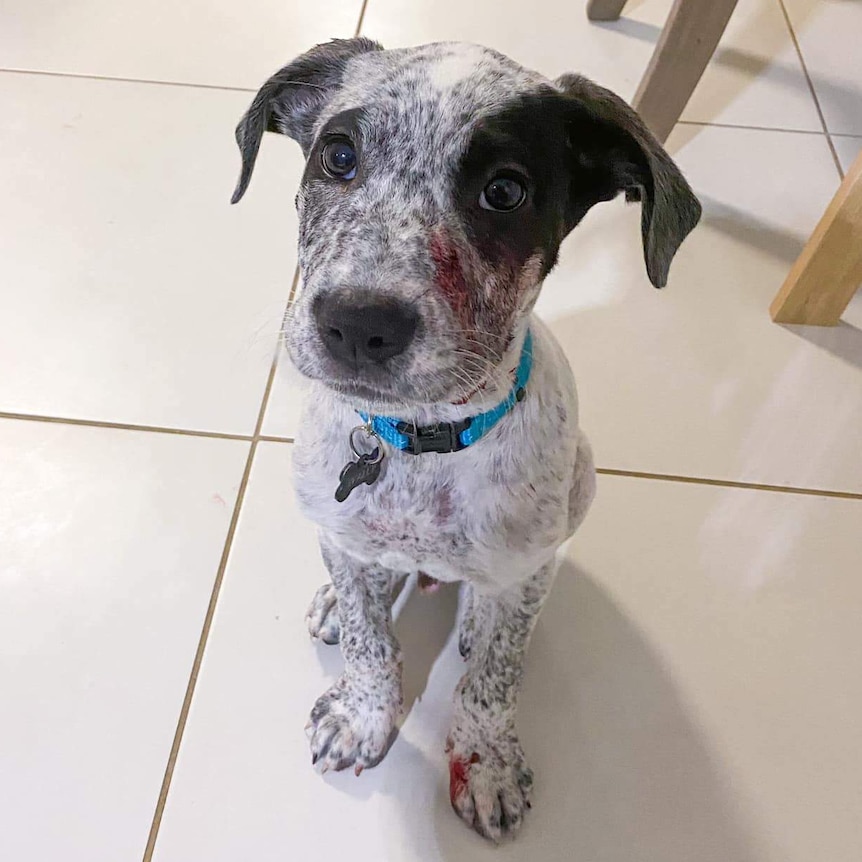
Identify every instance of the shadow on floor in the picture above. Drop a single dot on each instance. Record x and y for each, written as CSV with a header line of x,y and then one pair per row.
x,y
843,341
423,627
742,226
622,769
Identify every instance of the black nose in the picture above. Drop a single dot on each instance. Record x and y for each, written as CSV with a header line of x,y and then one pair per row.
x,y
362,329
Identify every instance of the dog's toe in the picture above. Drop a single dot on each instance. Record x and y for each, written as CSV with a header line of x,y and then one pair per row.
x,y
322,616
512,812
488,816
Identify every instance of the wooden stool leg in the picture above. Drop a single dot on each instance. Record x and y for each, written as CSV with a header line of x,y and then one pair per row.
x,y
688,40
827,273
604,10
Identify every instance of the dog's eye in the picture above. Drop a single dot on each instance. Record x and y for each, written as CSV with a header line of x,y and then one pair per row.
x,y
502,194
339,160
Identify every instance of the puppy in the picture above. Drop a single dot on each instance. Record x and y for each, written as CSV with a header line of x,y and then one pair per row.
x,y
440,435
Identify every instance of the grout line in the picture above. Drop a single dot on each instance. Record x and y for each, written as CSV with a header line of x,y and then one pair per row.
x,y
276,438
811,88
361,18
230,89
196,664
162,429
726,483
207,625
124,426
93,77
752,128
294,285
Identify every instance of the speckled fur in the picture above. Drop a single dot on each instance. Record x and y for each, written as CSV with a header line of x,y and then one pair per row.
x,y
493,515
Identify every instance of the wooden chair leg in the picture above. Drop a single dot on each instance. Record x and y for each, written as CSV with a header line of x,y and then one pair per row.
x,y
604,10
687,42
829,270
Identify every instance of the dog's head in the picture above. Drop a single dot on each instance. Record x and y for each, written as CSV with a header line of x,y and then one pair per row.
x,y
439,184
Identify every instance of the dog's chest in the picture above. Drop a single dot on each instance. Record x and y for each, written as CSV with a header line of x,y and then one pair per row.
x,y
409,522
414,515
442,514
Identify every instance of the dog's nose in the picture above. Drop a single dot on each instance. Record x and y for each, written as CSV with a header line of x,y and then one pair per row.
x,y
368,330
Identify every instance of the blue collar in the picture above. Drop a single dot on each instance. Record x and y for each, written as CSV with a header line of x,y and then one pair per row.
x,y
453,436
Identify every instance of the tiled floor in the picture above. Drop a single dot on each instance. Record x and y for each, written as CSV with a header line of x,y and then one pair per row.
x,y
694,690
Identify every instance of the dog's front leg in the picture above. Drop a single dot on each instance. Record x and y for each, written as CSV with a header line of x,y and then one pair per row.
x,y
489,780
353,722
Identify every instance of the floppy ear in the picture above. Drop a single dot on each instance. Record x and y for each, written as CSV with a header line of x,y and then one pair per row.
x,y
291,100
613,152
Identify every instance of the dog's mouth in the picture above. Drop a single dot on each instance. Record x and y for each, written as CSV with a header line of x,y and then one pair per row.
x,y
356,390
449,386
378,399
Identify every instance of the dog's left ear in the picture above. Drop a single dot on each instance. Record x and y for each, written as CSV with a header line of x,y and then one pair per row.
x,y
291,100
613,152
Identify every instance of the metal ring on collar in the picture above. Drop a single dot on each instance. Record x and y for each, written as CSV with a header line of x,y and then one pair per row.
x,y
371,435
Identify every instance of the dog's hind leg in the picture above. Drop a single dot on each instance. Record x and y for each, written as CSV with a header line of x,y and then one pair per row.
x,y
465,620
489,780
352,723
322,616
583,489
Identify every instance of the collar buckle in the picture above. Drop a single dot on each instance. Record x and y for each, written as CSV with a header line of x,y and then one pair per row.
x,y
442,438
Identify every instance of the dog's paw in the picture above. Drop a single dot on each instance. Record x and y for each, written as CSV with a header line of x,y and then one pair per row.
x,y
322,616
351,729
489,783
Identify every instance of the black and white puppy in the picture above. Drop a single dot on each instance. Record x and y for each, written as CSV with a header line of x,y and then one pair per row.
x,y
439,184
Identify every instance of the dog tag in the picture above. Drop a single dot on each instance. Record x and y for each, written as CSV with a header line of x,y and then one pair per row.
x,y
355,473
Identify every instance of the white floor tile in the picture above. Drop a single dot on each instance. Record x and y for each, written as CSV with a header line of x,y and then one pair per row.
x,y
691,694
696,380
109,545
212,42
828,33
848,149
132,290
755,77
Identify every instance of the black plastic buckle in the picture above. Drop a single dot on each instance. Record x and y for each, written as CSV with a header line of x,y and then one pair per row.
x,y
442,438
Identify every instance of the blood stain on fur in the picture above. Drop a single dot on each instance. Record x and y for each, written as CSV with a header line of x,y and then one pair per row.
x,y
459,775
449,276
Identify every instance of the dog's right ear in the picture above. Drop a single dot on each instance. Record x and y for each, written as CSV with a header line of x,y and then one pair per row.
x,y
291,100
615,152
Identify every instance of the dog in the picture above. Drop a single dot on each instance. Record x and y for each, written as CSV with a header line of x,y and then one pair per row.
x,y
440,435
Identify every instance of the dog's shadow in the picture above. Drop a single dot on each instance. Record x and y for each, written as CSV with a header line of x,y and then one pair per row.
x,y
423,626
623,771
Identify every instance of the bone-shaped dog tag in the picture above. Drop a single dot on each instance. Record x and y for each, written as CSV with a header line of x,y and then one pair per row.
x,y
355,473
